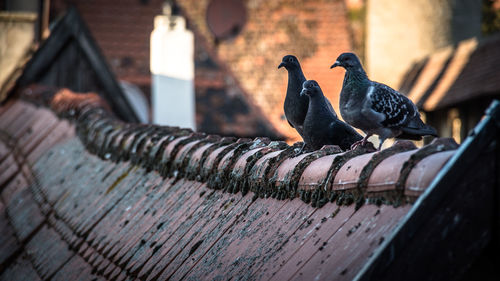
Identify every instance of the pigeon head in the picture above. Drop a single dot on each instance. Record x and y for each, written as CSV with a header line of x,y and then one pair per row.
x,y
289,62
310,88
348,61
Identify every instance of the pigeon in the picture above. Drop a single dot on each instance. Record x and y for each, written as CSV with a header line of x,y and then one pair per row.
x,y
321,126
376,108
295,106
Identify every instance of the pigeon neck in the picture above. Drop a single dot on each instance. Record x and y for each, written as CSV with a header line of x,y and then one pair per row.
x,y
356,77
317,104
355,84
296,76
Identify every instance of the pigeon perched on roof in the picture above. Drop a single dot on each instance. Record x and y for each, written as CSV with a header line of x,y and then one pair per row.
x,y
321,126
376,108
295,106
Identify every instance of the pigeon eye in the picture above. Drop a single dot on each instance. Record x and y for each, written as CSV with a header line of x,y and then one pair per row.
x,y
290,59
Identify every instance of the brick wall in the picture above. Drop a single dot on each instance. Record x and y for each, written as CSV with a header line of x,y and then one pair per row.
x,y
315,31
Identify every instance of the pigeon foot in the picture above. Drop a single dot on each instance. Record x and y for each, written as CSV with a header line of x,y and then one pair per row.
x,y
298,152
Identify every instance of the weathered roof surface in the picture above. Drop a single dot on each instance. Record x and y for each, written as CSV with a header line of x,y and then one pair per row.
x,y
98,198
456,74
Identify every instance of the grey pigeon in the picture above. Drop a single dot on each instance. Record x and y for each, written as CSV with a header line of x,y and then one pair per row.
x,y
376,108
321,126
295,106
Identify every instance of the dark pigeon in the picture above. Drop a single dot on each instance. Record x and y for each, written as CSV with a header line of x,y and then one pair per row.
x,y
376,108
321,126
295,106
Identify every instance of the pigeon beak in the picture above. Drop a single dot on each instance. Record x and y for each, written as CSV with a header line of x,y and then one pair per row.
x,y
303,92
337,63
281,65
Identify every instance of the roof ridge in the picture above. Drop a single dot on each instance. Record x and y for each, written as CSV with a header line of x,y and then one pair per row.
x,y
267,168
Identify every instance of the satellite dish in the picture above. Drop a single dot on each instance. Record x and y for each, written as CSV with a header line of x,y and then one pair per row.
x,y
226,18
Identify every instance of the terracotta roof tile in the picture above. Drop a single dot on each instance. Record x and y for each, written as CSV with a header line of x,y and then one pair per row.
x,y
24,214
386,174
313,175
8,169
48,251
13,186
21,269
416,179
8,242
76,268
155,203
370,223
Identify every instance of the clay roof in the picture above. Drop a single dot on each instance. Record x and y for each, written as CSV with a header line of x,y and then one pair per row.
x,y
456,74
84,196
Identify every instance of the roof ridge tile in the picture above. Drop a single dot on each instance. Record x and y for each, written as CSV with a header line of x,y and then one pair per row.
x,y
436,146
239,177
267,168
291,184
377,158
226,165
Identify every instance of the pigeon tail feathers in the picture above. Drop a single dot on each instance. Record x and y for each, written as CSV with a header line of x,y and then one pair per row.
x,y
426,130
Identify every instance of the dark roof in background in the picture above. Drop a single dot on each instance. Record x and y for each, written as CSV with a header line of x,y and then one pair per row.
x,y
70,58
455,75
124,39
114,201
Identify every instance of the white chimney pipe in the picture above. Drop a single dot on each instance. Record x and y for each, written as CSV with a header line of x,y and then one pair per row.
x,y
172,68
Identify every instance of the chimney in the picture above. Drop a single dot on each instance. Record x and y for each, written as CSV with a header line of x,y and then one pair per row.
x,y
172,68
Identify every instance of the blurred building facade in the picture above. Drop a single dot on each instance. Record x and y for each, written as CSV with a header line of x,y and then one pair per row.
x,y
455,85
238,45
238,89
17,32
443,55
315,31
401,32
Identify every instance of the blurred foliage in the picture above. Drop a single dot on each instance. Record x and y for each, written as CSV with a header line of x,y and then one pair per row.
x,y
491,17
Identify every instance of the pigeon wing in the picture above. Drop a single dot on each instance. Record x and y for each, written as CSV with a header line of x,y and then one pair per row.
x,y
397,109
343,134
